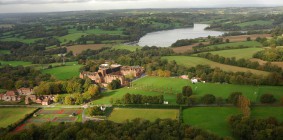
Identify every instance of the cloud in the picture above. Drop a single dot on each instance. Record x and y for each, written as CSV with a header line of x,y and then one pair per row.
x,y
10,2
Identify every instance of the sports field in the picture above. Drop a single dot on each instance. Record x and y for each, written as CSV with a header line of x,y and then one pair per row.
x,y
190,61
122,114
213,119
68,71
12,115
246,53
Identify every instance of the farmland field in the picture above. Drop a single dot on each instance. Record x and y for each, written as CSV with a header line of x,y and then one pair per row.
x,y
77,49
126,47
68,71
267,111
122,114
11,115
143,85
5,51
15,63
246,53
213,119
257,22
70,37
194,61
236,44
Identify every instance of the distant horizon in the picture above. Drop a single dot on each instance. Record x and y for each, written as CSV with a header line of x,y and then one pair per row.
x,y
49,6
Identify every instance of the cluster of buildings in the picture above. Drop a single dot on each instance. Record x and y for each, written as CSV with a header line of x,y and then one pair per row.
x,y
27,95
107,73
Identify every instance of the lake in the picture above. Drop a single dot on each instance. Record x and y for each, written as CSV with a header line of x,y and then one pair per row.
x,y
168,37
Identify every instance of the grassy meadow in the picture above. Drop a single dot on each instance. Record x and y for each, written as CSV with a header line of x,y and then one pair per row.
x,y
126,47
246,53
237,44
267,111
68,71
122,114
257,22
164,86
5,51
213,119
16,63
12,115
190,61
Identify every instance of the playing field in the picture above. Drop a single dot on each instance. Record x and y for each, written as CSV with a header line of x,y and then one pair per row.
x,y
246,53
213,119
190,61
268,111
144,85
12,115
68,71
126,47
122,114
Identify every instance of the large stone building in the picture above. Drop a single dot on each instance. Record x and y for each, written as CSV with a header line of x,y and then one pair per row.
x,y
106,74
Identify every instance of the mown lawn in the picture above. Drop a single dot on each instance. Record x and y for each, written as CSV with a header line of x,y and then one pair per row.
x,y
122,114
190,61
213,119
68,71
12,115
143,85
246,53
126,47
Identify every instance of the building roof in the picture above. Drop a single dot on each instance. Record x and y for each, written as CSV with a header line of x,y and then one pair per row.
x,y
10,93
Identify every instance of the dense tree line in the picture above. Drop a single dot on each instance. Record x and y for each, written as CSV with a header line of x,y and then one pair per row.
x,y
107,130
256,129
241,62
16,77
273,54
184,42
140,99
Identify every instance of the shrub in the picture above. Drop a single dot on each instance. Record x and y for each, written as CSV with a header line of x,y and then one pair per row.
x,y
187,91
233,98
267,98
208,99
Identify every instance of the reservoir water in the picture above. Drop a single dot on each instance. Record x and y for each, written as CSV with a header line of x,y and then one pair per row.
x,y
168,37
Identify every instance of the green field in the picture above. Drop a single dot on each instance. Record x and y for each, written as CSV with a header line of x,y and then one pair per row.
x,y
20,39
246,53
122,114
237,44
16,63
257,22
190,61
213,119
126,47
265,112
5,51
12,115
142,85
68,71
70,37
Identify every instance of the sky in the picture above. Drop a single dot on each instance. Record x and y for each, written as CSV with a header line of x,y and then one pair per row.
x,y
23,6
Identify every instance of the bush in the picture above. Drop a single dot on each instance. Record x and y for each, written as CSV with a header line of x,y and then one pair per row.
x,y
233,98
267,98
187,91
208,99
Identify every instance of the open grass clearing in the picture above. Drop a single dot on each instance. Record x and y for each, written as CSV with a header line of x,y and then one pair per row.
x,y
267,111
70,37
237,44
16,63
122,114
12,115
126,47
143,85
213,119
77,49
189,61
67,71
245,53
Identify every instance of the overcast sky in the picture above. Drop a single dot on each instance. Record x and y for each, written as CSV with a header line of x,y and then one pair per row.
x,y
18,6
